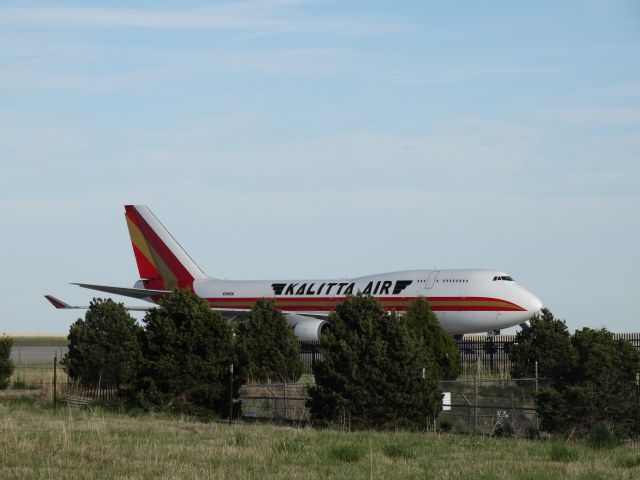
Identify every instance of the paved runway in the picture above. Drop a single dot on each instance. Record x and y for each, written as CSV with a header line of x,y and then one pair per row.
x,y
39,354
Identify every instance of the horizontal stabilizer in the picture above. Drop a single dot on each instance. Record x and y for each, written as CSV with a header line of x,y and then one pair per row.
x,y
141,293
57,302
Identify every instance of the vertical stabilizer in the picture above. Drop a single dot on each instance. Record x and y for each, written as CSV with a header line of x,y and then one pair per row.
x,y
162,262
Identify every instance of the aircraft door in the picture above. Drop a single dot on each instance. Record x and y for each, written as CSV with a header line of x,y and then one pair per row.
x,y
432,279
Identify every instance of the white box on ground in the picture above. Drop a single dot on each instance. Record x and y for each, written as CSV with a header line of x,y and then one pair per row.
x,y
446,401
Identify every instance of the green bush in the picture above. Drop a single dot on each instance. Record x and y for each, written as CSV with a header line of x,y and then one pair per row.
x,y
6,364
436,344
590,376
103,347
187,351
268,351
599,387
546,341
371,372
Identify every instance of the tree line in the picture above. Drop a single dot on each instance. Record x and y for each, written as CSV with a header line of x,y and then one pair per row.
x,y
590,379
378,369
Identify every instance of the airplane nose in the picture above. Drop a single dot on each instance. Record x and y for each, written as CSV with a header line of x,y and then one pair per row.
x,y
533,305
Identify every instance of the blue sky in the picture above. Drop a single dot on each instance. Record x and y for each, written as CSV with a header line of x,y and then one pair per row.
x,y
284,139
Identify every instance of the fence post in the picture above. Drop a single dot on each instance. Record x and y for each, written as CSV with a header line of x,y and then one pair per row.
x,y
536,387
231,393
475,404
285,400
55,380
491,353
637,406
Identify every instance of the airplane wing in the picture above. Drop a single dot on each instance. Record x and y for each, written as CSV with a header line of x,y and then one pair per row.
x,y
228,313
57,303
305,327
234,315
141,293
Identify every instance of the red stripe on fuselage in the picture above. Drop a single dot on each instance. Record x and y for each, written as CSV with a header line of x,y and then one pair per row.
x,y
316,304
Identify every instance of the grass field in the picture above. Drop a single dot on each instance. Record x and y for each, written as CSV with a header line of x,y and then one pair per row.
x,y
36,442
40,341
37,377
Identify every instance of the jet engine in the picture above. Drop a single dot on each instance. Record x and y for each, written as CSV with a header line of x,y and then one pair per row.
x,y
306,329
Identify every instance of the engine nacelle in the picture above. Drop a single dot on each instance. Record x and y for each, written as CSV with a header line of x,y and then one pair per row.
x,y
309,330
304,328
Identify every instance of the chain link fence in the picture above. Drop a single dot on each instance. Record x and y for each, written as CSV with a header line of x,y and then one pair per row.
x,y
489,407
277,401
470,405
48,382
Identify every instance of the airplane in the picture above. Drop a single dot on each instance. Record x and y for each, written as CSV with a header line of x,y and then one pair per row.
x,y
465,301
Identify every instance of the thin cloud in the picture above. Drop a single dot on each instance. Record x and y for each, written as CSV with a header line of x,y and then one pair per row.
x,y
598,116
210,17
268,16
625,90
164,67
445,74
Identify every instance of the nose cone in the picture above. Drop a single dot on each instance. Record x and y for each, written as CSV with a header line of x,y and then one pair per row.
x,y
532,304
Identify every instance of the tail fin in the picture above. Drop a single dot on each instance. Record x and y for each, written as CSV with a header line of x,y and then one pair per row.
x,y
162,262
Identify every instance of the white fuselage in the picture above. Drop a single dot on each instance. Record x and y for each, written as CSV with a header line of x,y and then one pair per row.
x,y
465,301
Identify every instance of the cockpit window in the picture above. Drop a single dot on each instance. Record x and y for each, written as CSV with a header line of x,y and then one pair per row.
x,y
504,277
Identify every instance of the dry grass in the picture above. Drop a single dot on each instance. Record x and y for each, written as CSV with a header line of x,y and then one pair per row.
x,y
24,340
480,370
38,377
39,443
